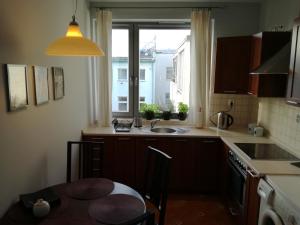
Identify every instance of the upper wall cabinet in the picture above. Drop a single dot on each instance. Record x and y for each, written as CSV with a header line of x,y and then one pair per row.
x,y
232,65
267,52
293,90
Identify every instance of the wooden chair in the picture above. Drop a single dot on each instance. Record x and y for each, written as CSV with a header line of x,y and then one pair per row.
x,y
90,159
156,180
148,218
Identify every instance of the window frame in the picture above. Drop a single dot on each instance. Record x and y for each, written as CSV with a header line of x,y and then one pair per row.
x,y
134,60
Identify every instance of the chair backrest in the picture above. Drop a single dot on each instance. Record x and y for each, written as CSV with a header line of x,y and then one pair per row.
x,y
148,218
156,180
90,159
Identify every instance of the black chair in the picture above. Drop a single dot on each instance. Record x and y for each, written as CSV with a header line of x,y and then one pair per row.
x,y
90,159
155,188
148,218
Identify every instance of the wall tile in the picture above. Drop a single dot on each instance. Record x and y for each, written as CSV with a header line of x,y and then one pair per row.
x,y
244,111
279,120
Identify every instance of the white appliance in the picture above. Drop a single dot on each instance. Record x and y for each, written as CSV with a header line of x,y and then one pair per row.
x,y
275,208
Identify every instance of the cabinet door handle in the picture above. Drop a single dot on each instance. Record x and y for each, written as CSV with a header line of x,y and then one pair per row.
x,y
150,139
230,92
124,139
250,93
292,102
209,141
97,139
181,140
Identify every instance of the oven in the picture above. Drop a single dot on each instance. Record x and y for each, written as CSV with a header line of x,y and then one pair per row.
x,y
236,184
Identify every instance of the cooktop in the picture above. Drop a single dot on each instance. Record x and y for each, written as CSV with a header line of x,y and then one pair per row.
x,y
265,151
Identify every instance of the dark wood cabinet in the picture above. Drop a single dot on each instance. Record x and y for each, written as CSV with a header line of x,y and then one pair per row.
x,y
142,144
194,167
232,65
264,46
124,160
118,158
207,165
252,199
182,175
293,90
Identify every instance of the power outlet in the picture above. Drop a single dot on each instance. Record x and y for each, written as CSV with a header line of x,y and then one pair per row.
x,y
298,118
230,103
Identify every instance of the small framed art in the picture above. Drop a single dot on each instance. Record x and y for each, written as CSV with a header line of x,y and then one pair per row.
x,y
58,82
16,87
41,84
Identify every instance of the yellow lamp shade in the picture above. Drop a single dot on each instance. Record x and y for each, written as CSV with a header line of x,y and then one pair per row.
x,y
74,44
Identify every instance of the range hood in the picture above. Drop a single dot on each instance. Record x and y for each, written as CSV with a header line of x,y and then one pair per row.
x,y
277,64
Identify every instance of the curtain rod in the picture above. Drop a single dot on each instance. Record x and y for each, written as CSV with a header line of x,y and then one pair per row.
x,y
154,5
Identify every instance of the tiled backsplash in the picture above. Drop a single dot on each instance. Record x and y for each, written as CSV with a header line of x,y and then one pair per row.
x,y
244,110
280,121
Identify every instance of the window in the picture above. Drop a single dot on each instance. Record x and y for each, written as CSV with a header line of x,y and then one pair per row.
x,y
122,74
142,74
169,73
122,103
142,100
157,54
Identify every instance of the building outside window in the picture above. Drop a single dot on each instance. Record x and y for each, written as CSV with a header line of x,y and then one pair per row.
x,y
122,103
157,50
122,74
142,74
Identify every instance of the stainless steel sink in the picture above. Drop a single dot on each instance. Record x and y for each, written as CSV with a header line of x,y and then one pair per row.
x,y
163,130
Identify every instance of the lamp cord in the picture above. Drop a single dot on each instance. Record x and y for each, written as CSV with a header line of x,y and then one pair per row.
x,y
75,7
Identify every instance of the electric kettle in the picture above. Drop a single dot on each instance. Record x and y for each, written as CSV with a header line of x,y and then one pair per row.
x,y
224,120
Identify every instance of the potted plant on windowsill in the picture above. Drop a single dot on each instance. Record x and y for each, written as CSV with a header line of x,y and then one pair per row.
x,y
167,110
149,110
182,111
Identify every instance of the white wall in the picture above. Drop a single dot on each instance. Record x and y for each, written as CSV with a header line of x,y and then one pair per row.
x,y
274,114
33,141
279,12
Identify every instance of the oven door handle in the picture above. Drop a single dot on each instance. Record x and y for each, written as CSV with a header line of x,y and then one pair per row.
x,y
237,169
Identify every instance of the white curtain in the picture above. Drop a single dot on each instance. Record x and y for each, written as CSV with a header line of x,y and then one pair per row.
x,y
200,67
103,69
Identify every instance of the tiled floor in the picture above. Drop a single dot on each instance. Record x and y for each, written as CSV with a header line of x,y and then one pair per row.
x,y
196,210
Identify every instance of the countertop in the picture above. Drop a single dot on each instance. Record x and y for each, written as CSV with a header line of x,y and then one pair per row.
x,y
229,137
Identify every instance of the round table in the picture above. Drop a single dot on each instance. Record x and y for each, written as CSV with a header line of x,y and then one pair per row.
x,y
70,210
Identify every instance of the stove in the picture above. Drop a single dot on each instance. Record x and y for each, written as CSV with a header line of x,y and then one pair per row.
x,y
265,152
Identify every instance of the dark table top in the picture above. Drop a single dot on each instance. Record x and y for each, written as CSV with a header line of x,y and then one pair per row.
x,y
121,204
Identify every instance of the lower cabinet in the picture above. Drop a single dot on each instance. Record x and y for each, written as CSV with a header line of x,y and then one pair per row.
x,y
195,163
208,164
124,160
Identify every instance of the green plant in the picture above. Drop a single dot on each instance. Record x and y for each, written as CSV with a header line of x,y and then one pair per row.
x,y
149,110
183,108
149,107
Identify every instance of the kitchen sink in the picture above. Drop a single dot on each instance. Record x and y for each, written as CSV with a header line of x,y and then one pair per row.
x,y
163,130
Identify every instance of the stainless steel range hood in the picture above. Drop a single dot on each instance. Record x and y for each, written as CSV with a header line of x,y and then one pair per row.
x,y
278,64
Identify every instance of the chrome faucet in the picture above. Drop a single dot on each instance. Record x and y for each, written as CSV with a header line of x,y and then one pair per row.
x,y
153,123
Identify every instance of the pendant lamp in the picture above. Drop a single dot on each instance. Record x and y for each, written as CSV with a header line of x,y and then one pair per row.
x,y
74,44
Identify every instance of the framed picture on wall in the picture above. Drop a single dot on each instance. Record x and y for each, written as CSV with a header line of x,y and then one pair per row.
x,y
17,97
41,84
58,82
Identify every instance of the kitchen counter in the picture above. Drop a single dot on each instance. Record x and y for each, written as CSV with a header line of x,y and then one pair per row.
x,y
229,137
